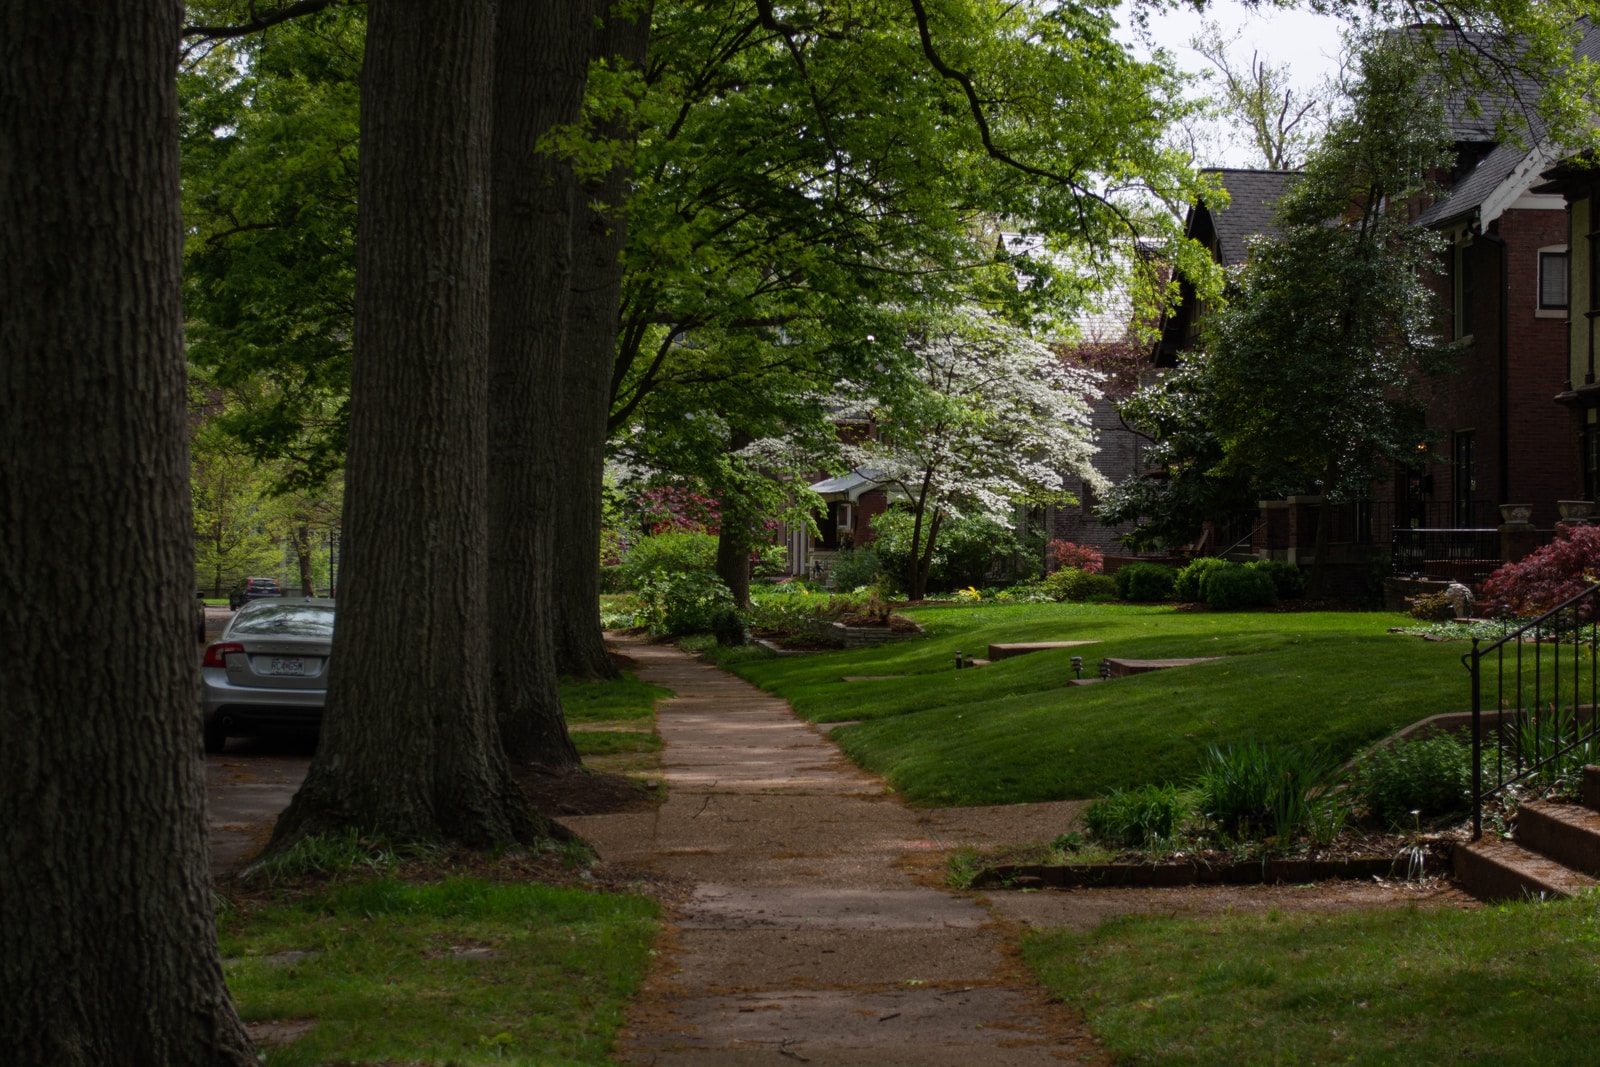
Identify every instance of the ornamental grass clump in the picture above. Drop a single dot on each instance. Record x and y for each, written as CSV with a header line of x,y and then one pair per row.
x,y
1137,818
1257,792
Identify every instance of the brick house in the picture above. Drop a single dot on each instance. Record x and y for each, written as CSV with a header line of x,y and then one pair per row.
x,y
1497,437
1577,182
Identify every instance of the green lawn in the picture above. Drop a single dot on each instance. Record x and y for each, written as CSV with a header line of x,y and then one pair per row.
x,y
462,971
1518,984
612,724
1015,731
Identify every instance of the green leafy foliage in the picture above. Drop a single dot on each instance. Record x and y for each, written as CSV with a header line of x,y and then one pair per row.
x,y
673,603
1069,583
1414,779
678,553
1254,791
1136,818
1288,579
1238,586
853,568
269,138
1190,583
1145,581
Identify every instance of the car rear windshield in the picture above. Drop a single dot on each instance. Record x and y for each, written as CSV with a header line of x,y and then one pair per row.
x,y
301,620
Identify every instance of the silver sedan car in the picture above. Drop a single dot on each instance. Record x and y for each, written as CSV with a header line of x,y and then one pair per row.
x,y
268,670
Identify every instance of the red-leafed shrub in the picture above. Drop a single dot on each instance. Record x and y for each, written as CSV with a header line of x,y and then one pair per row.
x,y
1078,557
1563,568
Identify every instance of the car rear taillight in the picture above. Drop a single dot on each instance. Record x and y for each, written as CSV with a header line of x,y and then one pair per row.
x,y
217,653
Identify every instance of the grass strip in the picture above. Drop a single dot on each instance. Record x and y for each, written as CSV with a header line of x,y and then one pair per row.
x,y
1017,731
620,699
1518,984
462,971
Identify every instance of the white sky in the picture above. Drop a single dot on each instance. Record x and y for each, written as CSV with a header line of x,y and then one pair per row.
x,y
1307,42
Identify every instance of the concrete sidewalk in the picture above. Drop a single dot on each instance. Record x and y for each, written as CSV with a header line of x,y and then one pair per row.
x,y
808,938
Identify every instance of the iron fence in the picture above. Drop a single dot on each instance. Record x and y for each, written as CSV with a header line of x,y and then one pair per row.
x,y
1462,555
1544,689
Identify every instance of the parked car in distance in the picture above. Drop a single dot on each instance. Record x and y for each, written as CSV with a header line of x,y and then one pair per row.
x,y
268,669
200,617
253,589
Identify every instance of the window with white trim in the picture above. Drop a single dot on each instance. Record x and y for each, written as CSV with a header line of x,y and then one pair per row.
x,y
1553,280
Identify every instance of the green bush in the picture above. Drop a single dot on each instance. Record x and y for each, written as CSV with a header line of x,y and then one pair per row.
x,y
677,603
1289,579
1069,583
965,553
1431,607
1253,792
1136,818
1190,583
1239,587
1145,581
855,567
682,553
1431,776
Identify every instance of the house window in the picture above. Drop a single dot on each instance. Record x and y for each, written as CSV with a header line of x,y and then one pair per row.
x,y
1464,474
1553,279
1461,290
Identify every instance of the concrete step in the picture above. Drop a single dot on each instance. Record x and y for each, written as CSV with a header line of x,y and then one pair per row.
x,y
1589,792
1566,833
1496,869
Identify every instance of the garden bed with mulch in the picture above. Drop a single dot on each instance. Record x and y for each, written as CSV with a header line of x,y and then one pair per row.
x,y
1353,856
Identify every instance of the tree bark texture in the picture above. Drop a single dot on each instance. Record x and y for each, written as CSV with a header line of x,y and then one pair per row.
x,y
733,554
409,746
108,950
542,61
599,235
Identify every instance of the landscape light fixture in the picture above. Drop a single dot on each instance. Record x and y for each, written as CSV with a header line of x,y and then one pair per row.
x,y
1077,666
958,659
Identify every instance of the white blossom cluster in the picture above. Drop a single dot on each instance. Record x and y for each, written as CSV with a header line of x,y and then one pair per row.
x,y
992,418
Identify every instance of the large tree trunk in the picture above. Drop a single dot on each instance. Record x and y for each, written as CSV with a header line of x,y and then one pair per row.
x,y
599,236
302,552
409,744
108,950
542,61
733,553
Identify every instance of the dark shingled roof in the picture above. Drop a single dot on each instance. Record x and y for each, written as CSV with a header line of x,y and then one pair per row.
x,y
1251,211
1478,184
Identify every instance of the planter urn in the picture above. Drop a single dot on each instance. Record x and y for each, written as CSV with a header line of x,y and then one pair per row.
x,y
1575,511
1516,514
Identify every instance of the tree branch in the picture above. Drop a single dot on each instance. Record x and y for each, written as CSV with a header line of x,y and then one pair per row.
x,y
258,20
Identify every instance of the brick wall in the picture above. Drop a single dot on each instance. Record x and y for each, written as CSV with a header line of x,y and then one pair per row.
x,y
1541,443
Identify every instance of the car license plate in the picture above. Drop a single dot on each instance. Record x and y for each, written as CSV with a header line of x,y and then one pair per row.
x,y
286,666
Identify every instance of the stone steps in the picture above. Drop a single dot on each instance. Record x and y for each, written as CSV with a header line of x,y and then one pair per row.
x,y
1555,853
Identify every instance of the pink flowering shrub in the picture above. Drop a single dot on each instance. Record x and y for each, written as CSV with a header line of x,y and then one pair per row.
x,y
1564,568
669,509
1079,557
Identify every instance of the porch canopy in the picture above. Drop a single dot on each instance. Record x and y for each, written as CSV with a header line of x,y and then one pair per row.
x,y
848,488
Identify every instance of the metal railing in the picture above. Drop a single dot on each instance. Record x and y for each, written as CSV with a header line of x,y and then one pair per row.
x,y
1464,555
1537,721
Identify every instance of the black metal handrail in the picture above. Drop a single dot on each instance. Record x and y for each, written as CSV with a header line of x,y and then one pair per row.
x,y
1547,712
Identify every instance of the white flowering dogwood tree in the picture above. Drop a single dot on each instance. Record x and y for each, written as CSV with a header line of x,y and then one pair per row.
x,y
989,418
